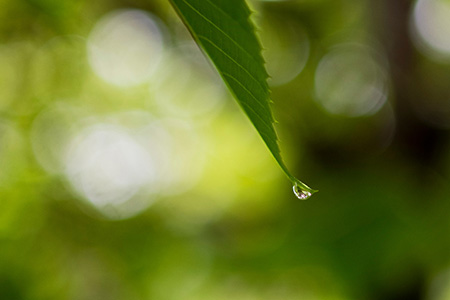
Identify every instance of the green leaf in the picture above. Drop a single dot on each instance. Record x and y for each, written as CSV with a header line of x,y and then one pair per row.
x,y
223,29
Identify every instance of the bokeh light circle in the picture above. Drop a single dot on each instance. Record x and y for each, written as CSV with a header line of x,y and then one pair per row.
x,y
287,49
351,81
107,166
430,28
122,163
125,47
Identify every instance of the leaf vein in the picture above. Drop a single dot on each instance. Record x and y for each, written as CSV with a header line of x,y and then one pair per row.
x,y
218,28
248,91
269,125
233,60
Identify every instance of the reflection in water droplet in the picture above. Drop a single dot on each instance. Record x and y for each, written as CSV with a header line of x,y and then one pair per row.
x,y
301,194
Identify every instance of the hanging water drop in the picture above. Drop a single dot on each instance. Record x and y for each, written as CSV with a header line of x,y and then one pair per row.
x,y
301,194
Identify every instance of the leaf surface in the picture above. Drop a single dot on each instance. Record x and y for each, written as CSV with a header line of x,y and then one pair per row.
x,y
223,29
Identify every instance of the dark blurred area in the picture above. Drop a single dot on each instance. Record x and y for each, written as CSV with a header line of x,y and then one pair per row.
x,y
127,171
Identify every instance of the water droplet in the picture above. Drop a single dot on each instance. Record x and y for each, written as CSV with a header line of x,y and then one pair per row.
x,y
301,194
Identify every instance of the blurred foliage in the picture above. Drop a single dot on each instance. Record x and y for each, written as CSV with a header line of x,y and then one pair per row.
x,y
127,171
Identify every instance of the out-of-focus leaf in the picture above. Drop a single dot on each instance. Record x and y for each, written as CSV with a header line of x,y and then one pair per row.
x,y
223,29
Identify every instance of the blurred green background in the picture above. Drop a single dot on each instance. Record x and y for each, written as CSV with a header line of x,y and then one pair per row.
x,y
127,171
